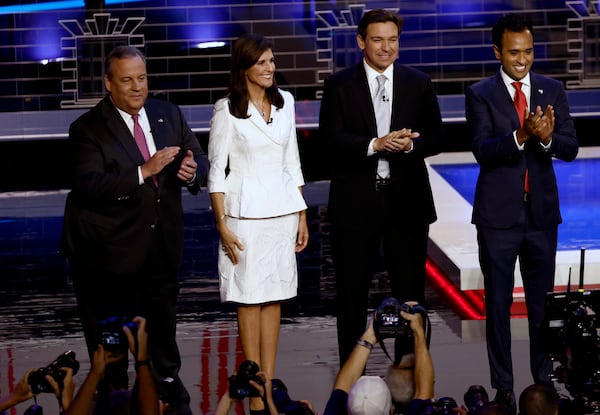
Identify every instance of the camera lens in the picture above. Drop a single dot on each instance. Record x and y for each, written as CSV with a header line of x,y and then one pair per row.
x,y
475,397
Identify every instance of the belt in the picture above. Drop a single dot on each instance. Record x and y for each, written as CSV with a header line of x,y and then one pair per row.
x,y
381,183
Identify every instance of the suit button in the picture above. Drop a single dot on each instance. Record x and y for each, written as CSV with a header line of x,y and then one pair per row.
x,y
153,226
158,201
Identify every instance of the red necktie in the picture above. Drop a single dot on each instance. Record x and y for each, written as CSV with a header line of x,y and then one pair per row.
x,y
520,105
140,140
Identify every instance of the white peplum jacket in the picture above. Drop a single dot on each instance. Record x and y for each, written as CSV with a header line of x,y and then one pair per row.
x,y
263,161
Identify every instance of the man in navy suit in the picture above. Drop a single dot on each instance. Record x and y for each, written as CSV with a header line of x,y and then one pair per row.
x,y
380,195
123,223
516,209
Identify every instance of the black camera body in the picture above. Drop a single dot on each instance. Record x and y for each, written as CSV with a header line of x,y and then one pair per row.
x,y
570,334
442,406
37,379
475,398
111,333
239,384
389,323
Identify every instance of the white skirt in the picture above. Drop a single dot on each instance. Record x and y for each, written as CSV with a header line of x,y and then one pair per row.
x,y
267,269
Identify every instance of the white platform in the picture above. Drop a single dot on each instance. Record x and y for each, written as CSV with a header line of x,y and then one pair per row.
x,y
454,241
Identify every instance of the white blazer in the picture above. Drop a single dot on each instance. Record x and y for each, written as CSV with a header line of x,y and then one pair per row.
x,y
263,160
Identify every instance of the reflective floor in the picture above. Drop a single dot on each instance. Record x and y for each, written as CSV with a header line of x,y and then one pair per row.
x,y
38,319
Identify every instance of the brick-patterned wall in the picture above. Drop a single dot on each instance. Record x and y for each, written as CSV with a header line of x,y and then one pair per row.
x,y
448,39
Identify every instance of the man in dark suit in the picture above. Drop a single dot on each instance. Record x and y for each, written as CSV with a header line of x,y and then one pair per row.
x,y
380,195
516,209
123,223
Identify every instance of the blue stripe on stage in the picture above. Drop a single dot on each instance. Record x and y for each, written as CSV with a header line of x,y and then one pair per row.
x,y
579,198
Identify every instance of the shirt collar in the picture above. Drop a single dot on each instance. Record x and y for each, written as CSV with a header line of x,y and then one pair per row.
x,y
372,74
526,81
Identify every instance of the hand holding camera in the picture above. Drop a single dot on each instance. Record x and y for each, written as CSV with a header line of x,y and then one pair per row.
x,y
394,320
137,338
20,393
56,371
246,383
112,335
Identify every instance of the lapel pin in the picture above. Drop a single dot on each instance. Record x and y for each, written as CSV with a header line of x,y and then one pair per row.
x,y
541,91
160,120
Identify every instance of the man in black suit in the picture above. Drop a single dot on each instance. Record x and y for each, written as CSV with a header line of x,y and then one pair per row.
x,y
380,193
123,223
516,209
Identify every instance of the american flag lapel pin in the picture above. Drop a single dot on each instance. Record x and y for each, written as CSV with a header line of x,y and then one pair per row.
x,y
160,120
541,91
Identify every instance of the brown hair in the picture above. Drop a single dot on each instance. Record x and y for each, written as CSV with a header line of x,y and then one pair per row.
x,y
377,16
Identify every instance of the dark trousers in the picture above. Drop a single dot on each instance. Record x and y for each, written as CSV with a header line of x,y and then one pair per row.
x,y
151,293
355,252
498,252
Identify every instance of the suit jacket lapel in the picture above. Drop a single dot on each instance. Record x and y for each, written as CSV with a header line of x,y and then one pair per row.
x,y
505,101
363,98
117,128
398,105
536,97
157,124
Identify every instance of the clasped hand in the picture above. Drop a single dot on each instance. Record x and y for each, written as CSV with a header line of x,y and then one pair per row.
x,y
165,156
396,141
539,124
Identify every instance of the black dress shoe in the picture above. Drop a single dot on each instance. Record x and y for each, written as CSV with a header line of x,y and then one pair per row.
x,y
507,397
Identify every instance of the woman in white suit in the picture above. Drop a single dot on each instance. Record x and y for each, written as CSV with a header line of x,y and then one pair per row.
x,y
255,184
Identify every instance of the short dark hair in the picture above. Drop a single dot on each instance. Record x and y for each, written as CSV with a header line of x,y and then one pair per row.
x,y
121,52
538,399
246,51
378,16
511,22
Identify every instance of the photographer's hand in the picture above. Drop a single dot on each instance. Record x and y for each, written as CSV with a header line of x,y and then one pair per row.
x,y
21,393
84,399
64,394
416,320
424,373
148,399
265,391
138,345
357,361
225,404
369,334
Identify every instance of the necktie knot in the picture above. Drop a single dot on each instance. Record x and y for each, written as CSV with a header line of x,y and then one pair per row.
x,y
517,85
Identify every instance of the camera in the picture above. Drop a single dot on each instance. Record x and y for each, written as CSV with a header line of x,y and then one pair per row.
x,y
283,402
570,335
442,406
112,336
389,323
239,384
476,397
34,409
37,379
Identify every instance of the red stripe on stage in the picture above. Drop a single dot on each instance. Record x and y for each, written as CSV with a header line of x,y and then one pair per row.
x,y
461,304
205,373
